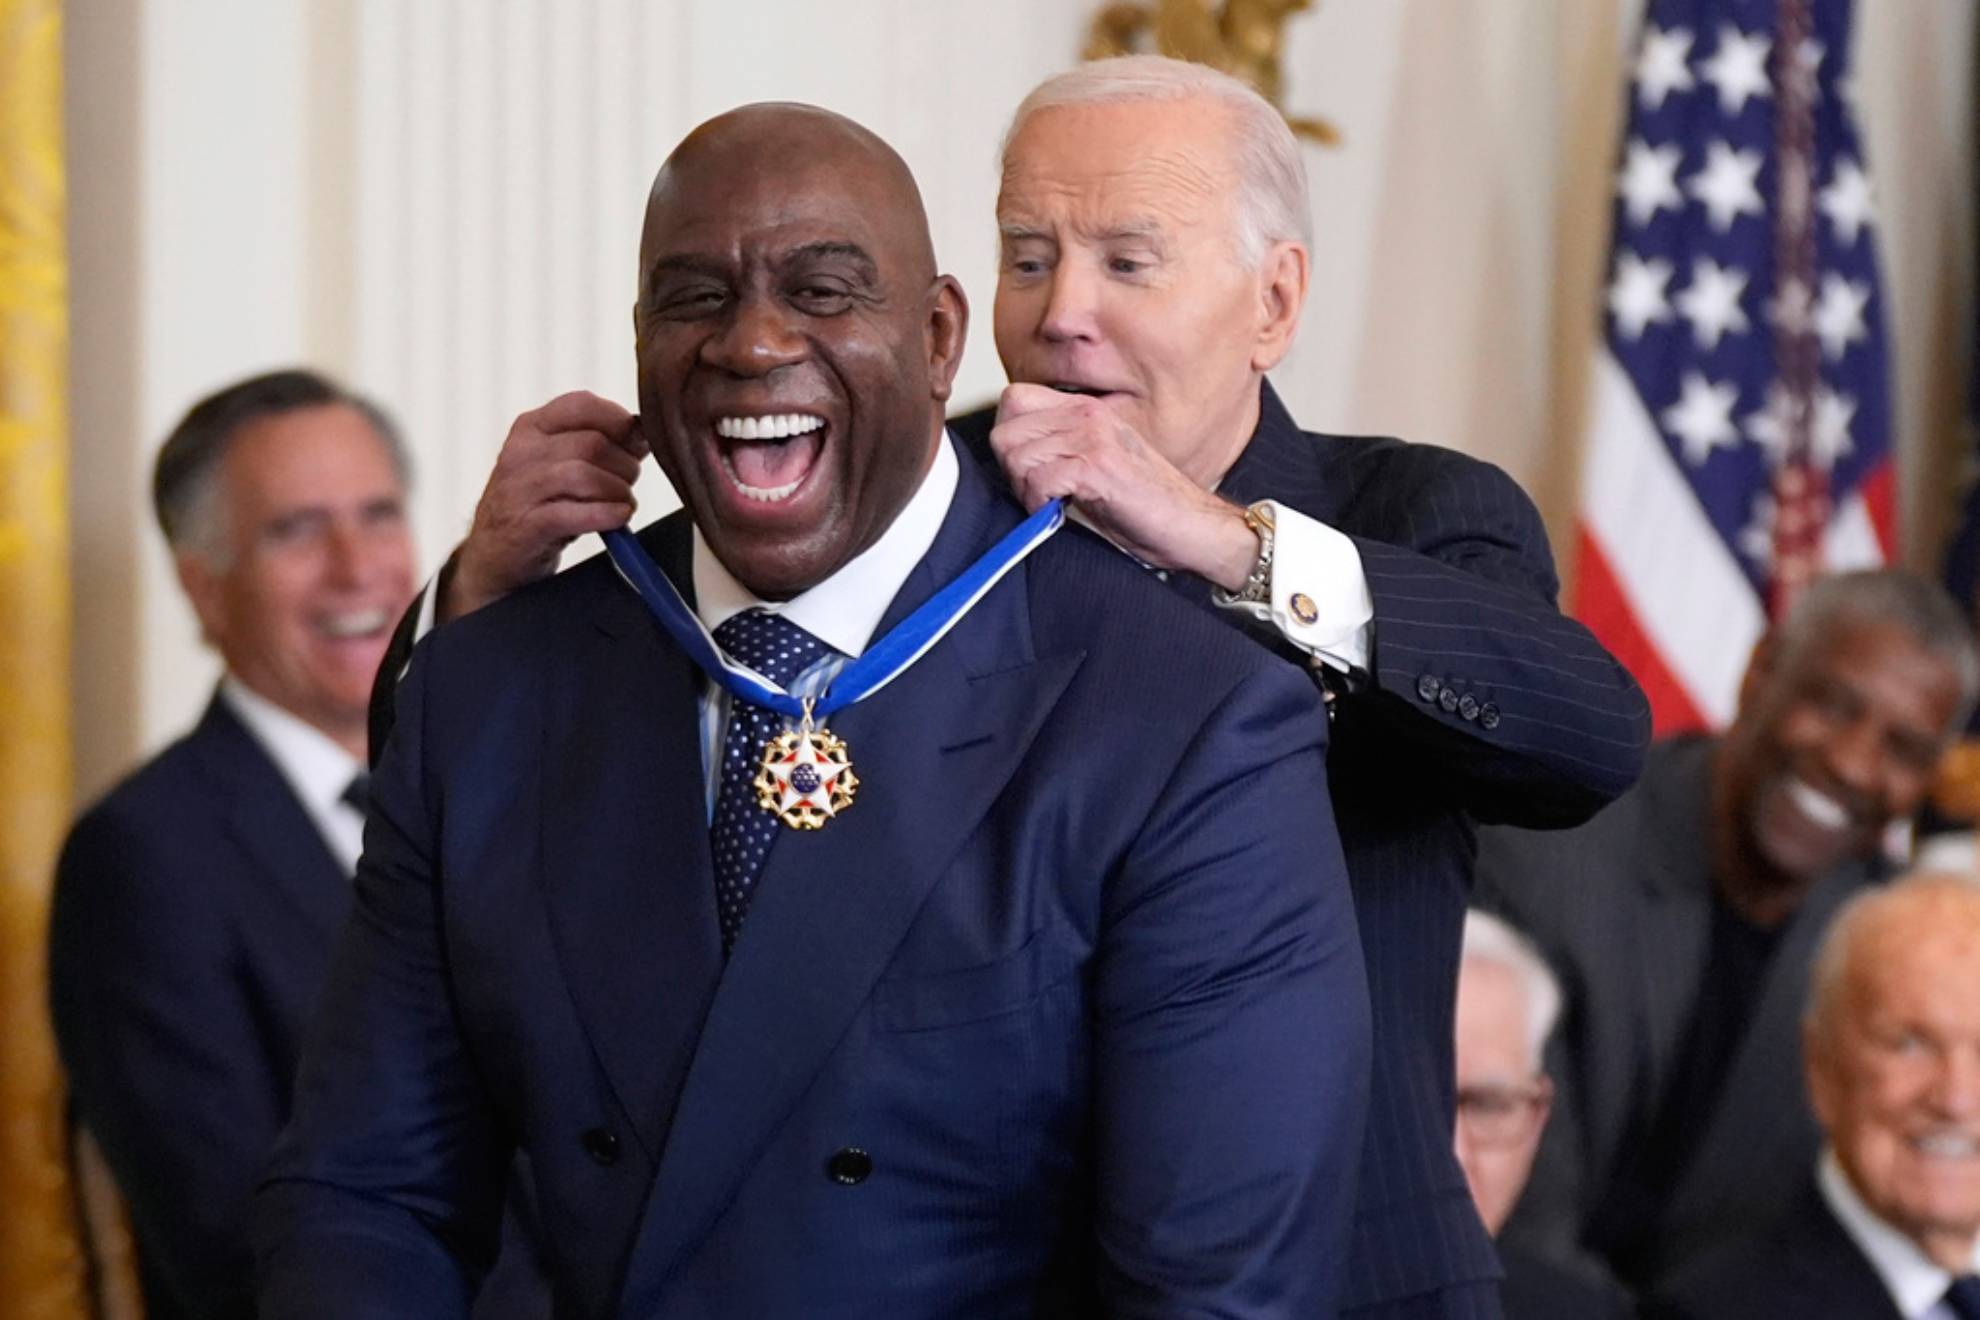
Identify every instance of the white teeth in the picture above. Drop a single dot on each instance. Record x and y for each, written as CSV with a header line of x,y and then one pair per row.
x,y
778,426
1817,805
359,624
767,494
1947,1145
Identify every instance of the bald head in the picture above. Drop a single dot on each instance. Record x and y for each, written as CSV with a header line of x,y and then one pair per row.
x,y
780,144
796,345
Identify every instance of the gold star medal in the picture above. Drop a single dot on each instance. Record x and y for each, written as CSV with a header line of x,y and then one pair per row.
x,y
806,776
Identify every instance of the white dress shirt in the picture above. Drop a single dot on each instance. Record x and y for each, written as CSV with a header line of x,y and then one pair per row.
x,y
1316,569
842,611
1915,1282
316,768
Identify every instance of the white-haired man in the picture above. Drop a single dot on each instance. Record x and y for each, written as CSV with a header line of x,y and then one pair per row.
x,y
1507,1003
1154,229
1890,1228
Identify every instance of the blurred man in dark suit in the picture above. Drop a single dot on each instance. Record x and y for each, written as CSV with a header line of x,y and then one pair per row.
x,y
1889,1228
1507,1004
196,904
1682,921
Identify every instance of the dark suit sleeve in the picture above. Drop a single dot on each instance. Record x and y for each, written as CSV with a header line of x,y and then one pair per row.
x,y
383,710
1232,1031
167,1064
1541,726
385,1193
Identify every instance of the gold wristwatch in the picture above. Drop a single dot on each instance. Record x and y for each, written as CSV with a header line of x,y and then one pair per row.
x,y
1257,588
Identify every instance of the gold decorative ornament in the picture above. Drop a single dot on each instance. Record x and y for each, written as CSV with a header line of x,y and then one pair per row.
x,y
806,776
1244,38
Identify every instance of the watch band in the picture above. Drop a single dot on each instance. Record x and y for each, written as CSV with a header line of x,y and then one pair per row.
x,y
1257,588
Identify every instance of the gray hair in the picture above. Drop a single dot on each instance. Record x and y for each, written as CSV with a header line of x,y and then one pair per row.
x,y
1838,947
185,481
1272,205
1917,605
1491,939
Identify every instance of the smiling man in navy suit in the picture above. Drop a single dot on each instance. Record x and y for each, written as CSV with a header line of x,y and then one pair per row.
x,y
1061,1011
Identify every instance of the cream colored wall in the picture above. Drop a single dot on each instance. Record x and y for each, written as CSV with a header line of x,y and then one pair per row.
x,y
440,201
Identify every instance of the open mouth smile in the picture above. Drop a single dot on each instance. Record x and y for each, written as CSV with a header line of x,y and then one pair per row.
x,y
767,457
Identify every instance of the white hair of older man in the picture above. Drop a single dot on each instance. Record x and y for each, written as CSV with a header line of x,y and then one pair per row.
x,y
1489,939
1272,204
1834,954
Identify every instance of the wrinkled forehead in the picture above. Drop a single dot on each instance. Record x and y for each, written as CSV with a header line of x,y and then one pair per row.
x,y
1099,167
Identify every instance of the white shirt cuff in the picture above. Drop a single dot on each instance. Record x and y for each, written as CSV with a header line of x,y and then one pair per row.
x,y
1319,598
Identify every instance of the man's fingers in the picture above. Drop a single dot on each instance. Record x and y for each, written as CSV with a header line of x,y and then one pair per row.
x,y
569,479
1019,400
581,410
562,521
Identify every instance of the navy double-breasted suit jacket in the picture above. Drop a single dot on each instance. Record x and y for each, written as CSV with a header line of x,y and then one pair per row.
x,y
1482,703
1066,1013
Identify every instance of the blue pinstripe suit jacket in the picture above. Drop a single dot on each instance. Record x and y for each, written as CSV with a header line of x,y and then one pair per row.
x,y
1466,636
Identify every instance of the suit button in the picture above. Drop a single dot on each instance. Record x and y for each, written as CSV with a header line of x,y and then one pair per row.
x,y
1427,687
1448,700
602,1144
849,1167
1468,706
1488,716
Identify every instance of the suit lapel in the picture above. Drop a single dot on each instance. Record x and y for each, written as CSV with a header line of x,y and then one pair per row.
x,y
1669,958
932,752
1282,462
269,822
625,868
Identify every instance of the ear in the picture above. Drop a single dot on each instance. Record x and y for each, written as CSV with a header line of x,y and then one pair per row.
x,y
1281,294
206,589
948,327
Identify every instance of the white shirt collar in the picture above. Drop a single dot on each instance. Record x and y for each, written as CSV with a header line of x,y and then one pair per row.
x,y
844,609
1911,1277
317,769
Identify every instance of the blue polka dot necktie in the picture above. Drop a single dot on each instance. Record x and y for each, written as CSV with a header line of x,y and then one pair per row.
x,y
742,832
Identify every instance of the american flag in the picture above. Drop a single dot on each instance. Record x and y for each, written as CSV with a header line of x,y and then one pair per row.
x,y
1740,413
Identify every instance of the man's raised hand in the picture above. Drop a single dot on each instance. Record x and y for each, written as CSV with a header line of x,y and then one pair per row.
x,y
565,469
1056,445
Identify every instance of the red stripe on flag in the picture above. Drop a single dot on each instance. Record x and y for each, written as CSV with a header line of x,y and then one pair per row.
x,y
1600,604
1880,501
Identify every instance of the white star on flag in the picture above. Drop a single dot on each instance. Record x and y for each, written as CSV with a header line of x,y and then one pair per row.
x,y
1738,68
1839,314
1661,66
1649,180
1726,185
1828,436
1847,201
1711,301
1701,419
1636,296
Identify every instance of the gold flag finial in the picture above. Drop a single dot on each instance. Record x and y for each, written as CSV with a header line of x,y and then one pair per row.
x,y
1244,38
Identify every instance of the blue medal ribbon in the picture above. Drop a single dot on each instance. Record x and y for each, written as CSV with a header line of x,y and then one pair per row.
x,y
878,666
